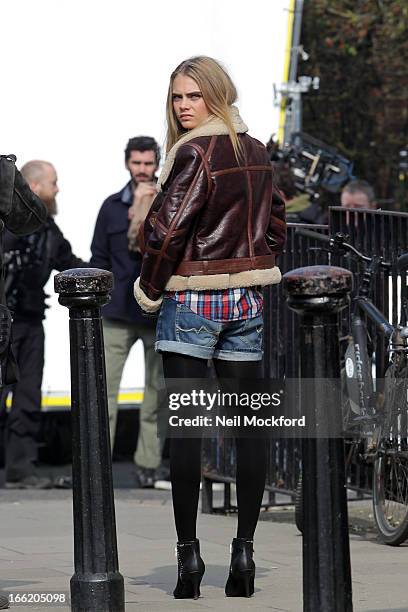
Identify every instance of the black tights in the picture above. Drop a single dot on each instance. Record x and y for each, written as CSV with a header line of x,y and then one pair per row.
x,y
185,455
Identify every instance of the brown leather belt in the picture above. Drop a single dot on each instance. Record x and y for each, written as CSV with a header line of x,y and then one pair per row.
x,y
225,266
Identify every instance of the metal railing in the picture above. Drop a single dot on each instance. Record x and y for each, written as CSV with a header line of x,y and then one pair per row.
x,y
373,232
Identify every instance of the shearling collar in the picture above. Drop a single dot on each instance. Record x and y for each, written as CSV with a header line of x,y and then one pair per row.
x,y
214,126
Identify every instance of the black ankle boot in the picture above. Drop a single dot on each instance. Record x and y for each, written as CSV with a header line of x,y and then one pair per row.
x,y
190,570
241,577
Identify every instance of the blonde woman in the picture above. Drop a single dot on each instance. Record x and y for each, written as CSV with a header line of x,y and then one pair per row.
x,y
210,242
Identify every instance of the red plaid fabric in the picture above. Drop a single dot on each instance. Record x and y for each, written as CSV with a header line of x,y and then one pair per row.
x,y
222,304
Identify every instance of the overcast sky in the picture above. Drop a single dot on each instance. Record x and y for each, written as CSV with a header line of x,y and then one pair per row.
x,y
81,77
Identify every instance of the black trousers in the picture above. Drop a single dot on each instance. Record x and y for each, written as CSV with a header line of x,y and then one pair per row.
x,y
22,423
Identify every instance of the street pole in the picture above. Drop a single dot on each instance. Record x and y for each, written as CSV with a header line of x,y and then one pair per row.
x,y
288,95
318,294
97,585
293,124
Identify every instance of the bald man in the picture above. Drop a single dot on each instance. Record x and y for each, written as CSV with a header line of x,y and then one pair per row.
x,y
42,178
31,260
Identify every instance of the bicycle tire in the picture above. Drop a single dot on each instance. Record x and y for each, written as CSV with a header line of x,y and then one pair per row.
x,y
299,504
390,476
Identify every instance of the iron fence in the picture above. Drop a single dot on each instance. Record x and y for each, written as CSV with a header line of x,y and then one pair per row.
x,y
379,233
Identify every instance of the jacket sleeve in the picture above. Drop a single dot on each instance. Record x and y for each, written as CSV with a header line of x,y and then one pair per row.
x,y
146,227
100,257
276,234
63,257
167,227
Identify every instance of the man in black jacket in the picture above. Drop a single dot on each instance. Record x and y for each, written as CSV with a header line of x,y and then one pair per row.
x,y
21,211
114,247
29,261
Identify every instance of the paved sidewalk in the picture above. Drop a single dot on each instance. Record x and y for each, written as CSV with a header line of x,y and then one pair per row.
x,y
36,555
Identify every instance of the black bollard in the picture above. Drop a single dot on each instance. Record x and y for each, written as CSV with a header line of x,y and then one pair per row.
x,y
318,293
97,584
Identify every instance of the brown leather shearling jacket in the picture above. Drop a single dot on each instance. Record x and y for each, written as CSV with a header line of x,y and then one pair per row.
x,y
216,223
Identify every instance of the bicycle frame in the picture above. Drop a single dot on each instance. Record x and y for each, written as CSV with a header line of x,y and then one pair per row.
x,y
379,428
360,385
358,363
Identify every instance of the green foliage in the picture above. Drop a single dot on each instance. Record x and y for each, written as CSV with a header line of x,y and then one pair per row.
x,y
359,49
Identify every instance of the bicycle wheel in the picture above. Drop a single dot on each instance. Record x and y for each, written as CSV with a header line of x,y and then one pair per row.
x,y
390,477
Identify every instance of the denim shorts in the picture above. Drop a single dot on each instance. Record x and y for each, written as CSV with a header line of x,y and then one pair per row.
x,y
180,330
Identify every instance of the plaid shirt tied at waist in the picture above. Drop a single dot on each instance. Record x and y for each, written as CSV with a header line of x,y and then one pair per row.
x,y
221,304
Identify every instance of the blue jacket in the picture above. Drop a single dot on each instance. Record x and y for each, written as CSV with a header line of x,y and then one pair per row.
x,y
110,252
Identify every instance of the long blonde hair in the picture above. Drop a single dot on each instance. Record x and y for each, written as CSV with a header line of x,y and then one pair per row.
x,y
218,90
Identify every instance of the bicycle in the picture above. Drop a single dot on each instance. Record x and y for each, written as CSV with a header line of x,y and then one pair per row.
x,y
376,420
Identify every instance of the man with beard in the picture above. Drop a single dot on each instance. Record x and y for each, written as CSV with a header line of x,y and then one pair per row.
x,y
115,247
29,261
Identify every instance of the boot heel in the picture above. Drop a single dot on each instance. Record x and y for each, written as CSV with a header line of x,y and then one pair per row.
x,y
195,581
241,585
246,583
244,579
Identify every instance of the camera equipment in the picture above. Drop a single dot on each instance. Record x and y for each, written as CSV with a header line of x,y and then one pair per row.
x,y
28,255
20,209
315,165
21,212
